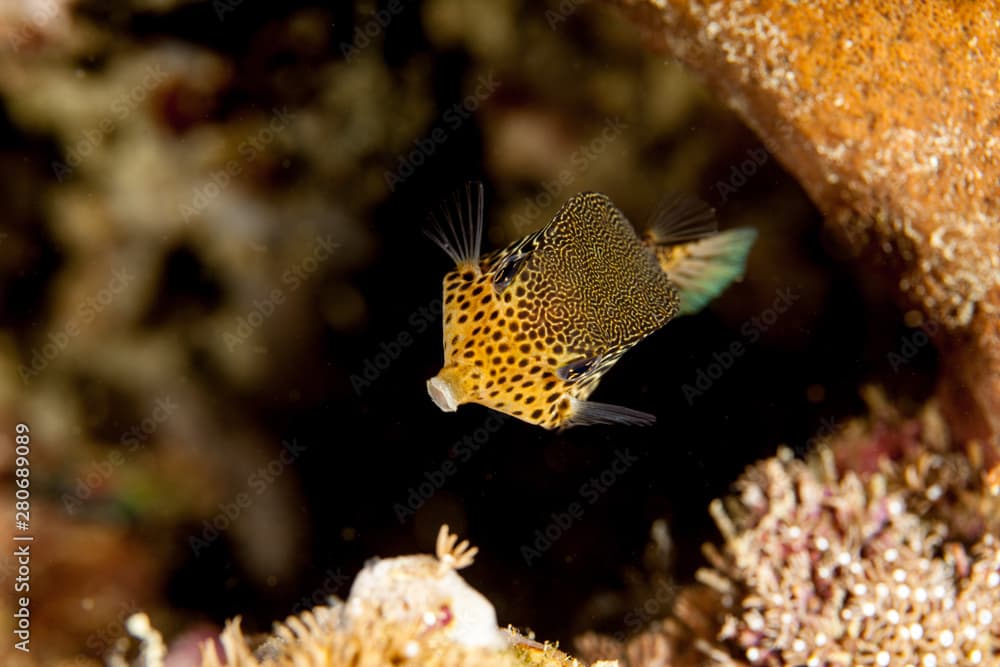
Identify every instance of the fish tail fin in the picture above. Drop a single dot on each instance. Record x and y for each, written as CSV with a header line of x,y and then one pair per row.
x,y
701,262
703,269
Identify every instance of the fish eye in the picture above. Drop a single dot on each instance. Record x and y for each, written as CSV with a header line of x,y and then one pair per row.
x,y
508,269
574,370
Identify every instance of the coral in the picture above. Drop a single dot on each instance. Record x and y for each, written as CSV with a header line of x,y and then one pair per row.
x,y
887,113
85,579
825,565
410,610
820,566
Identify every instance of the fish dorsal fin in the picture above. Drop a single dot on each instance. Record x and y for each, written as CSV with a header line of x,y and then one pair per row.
x,y
679,218
457,228
595,284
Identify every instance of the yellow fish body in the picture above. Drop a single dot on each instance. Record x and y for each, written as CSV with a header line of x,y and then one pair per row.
x,y
530,330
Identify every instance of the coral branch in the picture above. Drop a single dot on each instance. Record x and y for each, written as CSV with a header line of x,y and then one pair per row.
x,y
889,116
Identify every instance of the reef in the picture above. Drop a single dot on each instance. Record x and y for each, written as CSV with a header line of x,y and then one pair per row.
x,y
823,564
409,610
197,233
209,208
888,115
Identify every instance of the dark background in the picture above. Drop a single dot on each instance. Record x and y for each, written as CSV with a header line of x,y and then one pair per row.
x,y
368,447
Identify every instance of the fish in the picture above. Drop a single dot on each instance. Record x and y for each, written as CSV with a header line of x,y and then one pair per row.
x,y
529,330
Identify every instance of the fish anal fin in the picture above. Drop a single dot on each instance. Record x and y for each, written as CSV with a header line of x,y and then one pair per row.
x,y
586,413
680,218
704,269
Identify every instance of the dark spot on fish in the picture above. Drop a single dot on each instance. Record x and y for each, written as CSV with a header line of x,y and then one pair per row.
x,y
509,312
522,363
503,347
468,275
494,314
552,398
548,385
477,291
525,347
497,361
536,413
497,335
529,400
469,354
463,319
478,316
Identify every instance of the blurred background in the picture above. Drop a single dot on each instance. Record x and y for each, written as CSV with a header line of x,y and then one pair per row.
x,y
219,311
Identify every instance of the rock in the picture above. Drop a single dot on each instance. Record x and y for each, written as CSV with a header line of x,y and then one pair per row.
x,y
889,116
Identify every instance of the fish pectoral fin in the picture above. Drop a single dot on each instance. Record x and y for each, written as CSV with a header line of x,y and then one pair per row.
x,y
680,218
586,413
458,228
575,370
707,267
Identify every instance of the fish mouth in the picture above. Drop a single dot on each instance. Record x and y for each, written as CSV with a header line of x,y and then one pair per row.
x,y
442,394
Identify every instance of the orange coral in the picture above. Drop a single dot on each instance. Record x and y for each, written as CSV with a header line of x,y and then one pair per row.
x,y
889,115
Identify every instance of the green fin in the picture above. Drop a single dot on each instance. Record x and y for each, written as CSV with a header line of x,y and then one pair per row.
x,y
711,265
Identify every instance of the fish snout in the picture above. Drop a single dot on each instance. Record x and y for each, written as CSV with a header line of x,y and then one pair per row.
x,y
442,393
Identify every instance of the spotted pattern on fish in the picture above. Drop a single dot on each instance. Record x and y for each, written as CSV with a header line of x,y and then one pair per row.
x,y
529,330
